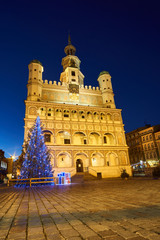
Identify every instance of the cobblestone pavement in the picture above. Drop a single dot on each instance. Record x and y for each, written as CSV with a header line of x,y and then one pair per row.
x,y
105,209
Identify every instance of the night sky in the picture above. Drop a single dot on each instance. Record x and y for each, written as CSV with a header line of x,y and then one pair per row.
x,y
122,37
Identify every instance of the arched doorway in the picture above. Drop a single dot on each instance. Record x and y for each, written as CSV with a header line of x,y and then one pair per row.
x,y
79,165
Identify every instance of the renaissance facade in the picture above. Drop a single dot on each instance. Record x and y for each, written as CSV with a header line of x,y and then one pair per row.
x,y
82,126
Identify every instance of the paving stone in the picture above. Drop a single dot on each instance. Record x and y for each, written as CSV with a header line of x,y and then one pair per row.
x,y
138,238
69,233
106,233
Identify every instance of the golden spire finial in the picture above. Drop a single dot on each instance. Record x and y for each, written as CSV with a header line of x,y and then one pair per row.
x,y
69,39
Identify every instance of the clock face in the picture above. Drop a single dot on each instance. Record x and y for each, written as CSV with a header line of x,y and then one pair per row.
x,y
73,88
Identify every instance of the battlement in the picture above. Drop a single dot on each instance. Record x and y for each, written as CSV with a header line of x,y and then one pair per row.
x,y
55,83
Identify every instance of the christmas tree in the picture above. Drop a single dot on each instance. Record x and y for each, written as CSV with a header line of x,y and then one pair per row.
x,y
37,159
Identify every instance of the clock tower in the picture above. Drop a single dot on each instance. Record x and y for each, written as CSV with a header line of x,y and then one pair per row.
x,y
71,74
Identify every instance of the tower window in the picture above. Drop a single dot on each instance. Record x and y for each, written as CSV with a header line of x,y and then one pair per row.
x,y
106,100
73,80
35,69
66,115
104,88
108,88
73,73
85,141
103,80
49,114
34,78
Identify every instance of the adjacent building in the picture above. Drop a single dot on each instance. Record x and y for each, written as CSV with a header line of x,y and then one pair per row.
x,y
144,144
5,166
82,126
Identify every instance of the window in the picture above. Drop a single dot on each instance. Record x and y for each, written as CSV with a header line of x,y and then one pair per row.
x,y
49,114
105,139
103,80
39,71
104,88
73,80
47,137
147,138
41,109
66,141
150,136
66,115
35,69
85,141
107,163
34,78
108,106
143,138
106,100
73,73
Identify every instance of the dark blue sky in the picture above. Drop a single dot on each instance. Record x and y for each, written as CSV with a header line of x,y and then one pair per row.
x,y
122,37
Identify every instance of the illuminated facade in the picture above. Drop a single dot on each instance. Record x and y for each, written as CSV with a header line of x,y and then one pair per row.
x,y
82,126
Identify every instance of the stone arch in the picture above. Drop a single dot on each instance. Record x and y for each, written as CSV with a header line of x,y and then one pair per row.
x,y
63,137
116,117
96,116
79,138
102,116
64,160
74,114
112,159
84,158
42,111
123,158
66,113
109,117
89,115
48,136
32,111
58,113
81,115
109,139
94,138
97,159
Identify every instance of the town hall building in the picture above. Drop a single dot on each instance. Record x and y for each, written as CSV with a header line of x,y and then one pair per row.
x,y
82,126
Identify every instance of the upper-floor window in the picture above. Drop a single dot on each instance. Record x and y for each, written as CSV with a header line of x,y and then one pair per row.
x,y
105,139
103,80
146,137
143,138
66,141
73,73
47,137
35,69
73,80
150,136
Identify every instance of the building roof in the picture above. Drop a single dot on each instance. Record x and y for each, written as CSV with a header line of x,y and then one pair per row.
x,y
36,61
103,72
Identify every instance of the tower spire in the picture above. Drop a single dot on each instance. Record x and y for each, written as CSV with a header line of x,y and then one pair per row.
x,y
69,49
69,39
